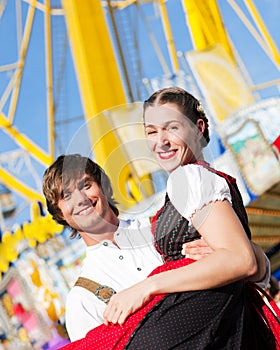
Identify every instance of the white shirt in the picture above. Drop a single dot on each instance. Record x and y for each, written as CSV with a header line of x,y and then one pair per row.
x,y
118,268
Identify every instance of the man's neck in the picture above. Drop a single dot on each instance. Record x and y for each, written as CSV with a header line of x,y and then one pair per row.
x,y
106,233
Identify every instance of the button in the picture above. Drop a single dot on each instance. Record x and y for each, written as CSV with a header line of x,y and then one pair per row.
x,y
139,269
120,257
105,243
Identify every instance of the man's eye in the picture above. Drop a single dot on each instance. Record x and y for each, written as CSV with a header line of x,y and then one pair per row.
x,y
87,185
150,132
173,128
65,195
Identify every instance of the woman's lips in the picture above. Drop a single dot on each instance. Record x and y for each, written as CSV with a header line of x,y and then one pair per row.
x,y
166,155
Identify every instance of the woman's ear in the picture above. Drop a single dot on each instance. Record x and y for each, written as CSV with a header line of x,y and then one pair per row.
x,y
200,126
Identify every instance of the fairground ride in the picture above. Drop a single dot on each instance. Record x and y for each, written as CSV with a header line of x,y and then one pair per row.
x,y
72,76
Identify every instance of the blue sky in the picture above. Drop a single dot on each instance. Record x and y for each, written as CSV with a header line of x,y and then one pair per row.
x,y
30,117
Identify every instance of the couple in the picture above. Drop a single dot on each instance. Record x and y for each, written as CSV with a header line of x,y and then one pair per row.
x,y
183,304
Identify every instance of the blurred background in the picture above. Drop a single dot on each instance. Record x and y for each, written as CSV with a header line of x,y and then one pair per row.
x,y
73,76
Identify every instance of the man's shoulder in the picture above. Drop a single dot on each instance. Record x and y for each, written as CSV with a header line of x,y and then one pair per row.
x,y
133,223
136,227
134,233
78,294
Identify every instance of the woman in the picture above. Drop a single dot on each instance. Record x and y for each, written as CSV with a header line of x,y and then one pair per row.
x,y
186,305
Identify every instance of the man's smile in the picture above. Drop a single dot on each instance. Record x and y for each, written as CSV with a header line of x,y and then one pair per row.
x,y
86,210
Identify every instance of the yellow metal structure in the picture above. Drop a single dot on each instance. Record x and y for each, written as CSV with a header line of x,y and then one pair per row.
x,y
7,121
168,36
11,182
25,142
206,25
260,33
221,82
95,60
49,78
213,62
101,89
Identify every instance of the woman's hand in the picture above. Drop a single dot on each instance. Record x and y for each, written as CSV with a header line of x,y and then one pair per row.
x,y
126,302
197,249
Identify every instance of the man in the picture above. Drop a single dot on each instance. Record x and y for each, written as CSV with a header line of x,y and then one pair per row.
x,y
119,253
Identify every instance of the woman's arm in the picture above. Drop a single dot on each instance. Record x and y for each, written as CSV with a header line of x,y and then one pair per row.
x,y
199,249
233,259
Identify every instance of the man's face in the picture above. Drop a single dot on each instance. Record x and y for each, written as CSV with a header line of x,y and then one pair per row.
x,y
84,206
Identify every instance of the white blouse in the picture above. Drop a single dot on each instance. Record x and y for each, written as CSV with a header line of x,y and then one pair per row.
x,y
192,187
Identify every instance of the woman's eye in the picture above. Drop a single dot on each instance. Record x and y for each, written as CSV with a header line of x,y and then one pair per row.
x,y
150,132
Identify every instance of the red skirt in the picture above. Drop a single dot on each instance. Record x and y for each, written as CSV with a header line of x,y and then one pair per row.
x,y
115,336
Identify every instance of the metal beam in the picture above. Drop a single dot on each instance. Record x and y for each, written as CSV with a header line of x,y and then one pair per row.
x,y
101,88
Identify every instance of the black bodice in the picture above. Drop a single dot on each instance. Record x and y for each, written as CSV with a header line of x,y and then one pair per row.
x,y
171,230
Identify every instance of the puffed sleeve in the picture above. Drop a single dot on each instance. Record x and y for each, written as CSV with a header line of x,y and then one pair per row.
x,y
192,187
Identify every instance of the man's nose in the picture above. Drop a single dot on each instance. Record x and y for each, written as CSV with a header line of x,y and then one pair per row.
x,y
79,196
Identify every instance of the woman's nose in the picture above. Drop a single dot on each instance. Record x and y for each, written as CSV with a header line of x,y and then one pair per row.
x,y
163,138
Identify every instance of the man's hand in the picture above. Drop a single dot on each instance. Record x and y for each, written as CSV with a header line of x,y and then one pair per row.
x,y
197,249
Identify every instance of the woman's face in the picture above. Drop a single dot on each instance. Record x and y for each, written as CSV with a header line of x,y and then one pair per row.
x,y
173,139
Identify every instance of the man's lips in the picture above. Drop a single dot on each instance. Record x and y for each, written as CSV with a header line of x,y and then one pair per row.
x,y
86,210
167,155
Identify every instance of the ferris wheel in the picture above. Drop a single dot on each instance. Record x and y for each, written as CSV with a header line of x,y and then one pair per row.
x,y
63,64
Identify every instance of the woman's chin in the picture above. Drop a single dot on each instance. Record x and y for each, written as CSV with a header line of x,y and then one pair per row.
x,y
169,166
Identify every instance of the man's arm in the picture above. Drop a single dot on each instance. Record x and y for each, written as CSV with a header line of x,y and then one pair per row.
x,y
264,272
83,312
199,249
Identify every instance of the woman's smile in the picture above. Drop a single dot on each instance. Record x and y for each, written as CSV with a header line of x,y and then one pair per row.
x,y
167,155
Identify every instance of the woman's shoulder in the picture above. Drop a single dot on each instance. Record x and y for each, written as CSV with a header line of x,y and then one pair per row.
x,y
192,186
194,173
